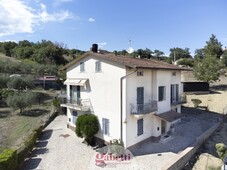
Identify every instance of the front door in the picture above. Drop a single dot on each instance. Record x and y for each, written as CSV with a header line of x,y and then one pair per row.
x,y
163,127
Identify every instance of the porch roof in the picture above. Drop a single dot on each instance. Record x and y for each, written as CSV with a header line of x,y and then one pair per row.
x,y
76,82
169,116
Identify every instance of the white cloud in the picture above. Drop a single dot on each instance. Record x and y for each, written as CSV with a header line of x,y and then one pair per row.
x,y
17,17
91,20
44,17
102,44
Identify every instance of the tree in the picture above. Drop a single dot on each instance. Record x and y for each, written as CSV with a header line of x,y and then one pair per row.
x,y
158,54
21,100
177,53
199,53
4,80
7,47
224,58
20,83
147,53
213,47
187,62
87,126
208,69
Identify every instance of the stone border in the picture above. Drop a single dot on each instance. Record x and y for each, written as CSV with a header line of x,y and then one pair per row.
x,y
183,157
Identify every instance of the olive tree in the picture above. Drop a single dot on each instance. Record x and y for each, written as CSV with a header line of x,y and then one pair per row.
x,y
21,100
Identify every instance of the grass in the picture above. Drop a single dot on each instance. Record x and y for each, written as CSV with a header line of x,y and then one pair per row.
x,y
3,57
15,127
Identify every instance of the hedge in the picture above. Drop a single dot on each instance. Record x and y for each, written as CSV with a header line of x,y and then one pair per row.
x,y
8,159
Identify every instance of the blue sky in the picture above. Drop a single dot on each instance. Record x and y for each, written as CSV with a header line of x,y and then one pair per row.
x,y
153,24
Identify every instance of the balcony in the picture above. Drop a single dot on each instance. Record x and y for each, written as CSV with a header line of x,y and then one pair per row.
x,y
78,104
146,108
178,100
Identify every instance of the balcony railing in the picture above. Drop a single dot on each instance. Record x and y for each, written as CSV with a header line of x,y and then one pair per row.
x,y
178,100
139,109
80,104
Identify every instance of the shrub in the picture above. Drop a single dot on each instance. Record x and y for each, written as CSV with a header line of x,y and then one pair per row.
x,y
116,147
56,103
87,126
221,150
8,159
28,144
196,102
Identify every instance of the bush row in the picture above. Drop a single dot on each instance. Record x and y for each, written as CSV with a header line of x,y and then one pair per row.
x,y
12,159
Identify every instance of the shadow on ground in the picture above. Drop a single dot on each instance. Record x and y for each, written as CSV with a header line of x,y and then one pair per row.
x,y
194,122
4,113
33,163
34,112
40,149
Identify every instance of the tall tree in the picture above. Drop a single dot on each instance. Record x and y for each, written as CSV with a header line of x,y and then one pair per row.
x,y
177,53
213,47
208,69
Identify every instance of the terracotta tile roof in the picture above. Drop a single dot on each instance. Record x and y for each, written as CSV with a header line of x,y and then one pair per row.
x,y
169,116
128,61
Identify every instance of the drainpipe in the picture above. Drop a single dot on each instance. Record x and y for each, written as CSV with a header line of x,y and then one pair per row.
x,y
121,99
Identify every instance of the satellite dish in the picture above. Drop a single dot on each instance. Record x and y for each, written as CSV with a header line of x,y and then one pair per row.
x,y
130,50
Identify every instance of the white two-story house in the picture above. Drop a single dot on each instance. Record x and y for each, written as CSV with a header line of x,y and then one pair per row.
x,y
134,99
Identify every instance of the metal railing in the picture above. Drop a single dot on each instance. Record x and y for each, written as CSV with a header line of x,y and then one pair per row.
x,y
82,104
138,109
178,100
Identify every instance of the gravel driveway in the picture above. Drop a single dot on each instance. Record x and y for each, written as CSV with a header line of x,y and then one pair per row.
x,y
60,148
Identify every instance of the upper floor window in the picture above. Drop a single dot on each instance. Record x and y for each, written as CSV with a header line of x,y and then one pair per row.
x,y
105,126
139,73
98,67
82,67
161,93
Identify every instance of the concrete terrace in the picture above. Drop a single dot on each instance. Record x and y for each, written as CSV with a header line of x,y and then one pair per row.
x,y
60,148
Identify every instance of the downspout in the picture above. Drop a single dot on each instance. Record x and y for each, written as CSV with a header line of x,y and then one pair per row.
x,y
121,99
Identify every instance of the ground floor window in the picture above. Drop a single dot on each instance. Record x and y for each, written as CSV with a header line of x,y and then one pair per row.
x,y
105,126
139,127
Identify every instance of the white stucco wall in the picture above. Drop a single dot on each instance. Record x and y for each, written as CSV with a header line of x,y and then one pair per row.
x,y
103,90
150,80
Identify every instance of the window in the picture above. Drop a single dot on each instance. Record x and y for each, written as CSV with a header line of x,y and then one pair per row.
x,y
139,127
105,126
139,73
174,74
82,67
174,93
161,93
98,66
